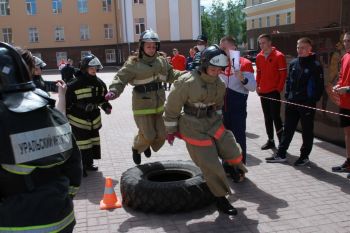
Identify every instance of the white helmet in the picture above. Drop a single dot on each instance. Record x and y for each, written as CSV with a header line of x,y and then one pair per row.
x,y
213,56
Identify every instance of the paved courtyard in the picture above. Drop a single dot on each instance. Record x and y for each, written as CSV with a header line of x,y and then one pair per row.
x,y
273,198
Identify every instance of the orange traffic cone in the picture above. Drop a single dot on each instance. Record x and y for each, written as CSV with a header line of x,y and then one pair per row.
x,y
110,199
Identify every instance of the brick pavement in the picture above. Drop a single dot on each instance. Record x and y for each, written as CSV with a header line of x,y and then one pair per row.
x,y
274,197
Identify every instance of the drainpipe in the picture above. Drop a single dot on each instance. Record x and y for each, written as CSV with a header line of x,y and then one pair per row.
x,y
126,28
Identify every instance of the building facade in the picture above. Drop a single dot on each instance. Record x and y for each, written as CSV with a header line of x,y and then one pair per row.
x,y
268,16
56,30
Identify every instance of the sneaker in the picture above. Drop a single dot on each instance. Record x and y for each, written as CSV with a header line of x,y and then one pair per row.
x,y
270,144
301,161
345,167
224,206
136,156
276,159
91,167
148,152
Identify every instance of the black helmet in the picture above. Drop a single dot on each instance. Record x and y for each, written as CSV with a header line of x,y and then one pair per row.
x,y
90,61
149,36
213,56
14,72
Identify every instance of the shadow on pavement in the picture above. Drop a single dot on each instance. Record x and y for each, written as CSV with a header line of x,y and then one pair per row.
x,y
326,176
164,221
253,161
249,192
331,148
92,187
251,135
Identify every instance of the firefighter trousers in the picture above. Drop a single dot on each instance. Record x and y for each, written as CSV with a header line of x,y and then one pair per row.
x,y
207,159
151,132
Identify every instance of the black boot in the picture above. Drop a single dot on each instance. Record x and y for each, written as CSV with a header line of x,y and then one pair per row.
x,y
148,152
136,156
224,206
268,145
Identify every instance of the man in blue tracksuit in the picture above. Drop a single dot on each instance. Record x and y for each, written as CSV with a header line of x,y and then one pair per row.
x,y
304,86
238,84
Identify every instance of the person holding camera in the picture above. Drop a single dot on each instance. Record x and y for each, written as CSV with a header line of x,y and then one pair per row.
x,y
84,98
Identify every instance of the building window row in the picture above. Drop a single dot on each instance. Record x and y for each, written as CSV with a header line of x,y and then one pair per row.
x,y
33,33
62,56
57,5
268,21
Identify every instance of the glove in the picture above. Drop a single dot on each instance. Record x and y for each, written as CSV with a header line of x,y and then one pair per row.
x,y
108,111
110,95
171,137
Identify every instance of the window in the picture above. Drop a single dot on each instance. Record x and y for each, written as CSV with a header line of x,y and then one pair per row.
x,y
57,6
31,7
289,18
277,20
61,56
4,7
251,43
84,32
268,21
139,25
108,31
7,35
107,5
138,1
253,23
84,54
260,23
110,55
59,33
33,35
82,6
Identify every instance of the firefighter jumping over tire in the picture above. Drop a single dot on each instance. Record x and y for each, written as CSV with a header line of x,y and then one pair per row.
x,y
40,163
200,95
84,98
145,72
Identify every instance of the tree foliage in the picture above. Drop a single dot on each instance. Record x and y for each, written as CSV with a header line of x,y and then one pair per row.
x,y
222,20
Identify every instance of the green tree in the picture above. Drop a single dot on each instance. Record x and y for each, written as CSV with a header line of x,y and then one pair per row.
x,y
223,20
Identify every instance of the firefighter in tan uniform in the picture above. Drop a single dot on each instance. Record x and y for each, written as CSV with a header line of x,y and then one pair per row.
x,y
145,72
193,113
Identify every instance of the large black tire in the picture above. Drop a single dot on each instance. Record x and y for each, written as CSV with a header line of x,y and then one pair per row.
x,y
165,187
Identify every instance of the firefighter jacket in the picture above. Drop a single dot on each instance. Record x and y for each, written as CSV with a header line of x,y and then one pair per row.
x,y
201,98
40,170
84,98
146,74
305,82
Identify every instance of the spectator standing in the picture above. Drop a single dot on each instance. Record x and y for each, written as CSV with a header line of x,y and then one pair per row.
x,y
238,85
189,59
68,71
305,86
178,62
202,42
271,76
343,89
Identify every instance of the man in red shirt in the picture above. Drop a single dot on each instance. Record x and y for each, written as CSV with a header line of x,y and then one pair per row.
x,y
178,61
343,90
271,75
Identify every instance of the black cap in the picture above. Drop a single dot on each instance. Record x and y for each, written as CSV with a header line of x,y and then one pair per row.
x,y
202,38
